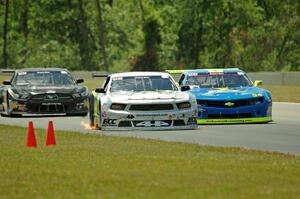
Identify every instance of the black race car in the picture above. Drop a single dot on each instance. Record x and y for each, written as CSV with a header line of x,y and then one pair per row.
x,y
43,91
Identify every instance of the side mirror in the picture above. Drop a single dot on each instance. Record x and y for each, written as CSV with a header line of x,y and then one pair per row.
x,y
185,88
78,81
258,83
6,82
99,90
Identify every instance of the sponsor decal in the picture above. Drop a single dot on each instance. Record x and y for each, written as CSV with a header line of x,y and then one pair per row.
x,y
22,107
109,122
130,117
15,106
4,97
51,103
104,106
193,74
117,78
222,121
152,124
192,120
147,115
269,111
104,115
51,97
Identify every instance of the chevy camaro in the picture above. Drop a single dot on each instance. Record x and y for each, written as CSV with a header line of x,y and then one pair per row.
x,y
142,100
43,91
226,96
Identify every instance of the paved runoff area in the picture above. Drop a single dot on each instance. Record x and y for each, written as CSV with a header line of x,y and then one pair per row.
x,y
282,135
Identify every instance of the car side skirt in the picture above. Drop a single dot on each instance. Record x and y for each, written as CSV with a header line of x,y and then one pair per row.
x,y
235,121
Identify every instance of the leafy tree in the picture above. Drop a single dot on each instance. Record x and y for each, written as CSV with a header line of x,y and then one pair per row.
x,y
255,35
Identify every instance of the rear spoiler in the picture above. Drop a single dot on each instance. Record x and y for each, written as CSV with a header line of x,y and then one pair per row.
x,y
208,69
177,71
8,71
99,74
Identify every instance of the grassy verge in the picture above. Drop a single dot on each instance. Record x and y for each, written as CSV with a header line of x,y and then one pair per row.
x,y
95,166
285,93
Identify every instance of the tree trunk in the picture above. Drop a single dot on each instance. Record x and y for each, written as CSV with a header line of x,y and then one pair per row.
x,y
24,19
83,38
5,30
101,29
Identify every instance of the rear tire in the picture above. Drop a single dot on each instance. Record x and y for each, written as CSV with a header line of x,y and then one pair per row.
x,y
91,111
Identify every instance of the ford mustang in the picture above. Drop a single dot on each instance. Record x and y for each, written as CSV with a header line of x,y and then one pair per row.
x,y
142,100
226,96
43,91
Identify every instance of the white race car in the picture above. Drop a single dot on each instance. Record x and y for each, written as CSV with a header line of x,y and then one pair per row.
x,y
143,101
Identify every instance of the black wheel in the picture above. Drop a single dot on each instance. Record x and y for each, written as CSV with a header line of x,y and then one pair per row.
x,y
91,111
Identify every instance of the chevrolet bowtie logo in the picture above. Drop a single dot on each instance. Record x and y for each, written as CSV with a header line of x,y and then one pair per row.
x,y
229,104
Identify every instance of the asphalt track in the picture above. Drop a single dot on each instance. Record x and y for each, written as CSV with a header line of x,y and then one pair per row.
x,y
281,135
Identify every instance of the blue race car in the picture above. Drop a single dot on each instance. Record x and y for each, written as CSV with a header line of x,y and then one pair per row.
x,y
226,96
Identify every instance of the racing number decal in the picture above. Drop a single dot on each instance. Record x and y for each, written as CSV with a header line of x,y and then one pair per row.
x,y
130,117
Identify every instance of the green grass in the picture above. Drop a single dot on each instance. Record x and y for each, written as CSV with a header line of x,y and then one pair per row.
x,y
96,166
279,93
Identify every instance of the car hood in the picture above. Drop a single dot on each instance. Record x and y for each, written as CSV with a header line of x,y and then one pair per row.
x,y
42,90
148,95
227,93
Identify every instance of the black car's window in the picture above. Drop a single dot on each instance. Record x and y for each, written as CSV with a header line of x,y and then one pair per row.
x,y
44,78
219,80
142,83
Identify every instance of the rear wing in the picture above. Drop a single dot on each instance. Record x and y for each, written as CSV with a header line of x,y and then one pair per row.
x,y
210,70
99,74
10,71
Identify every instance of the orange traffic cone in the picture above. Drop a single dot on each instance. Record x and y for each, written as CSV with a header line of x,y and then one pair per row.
x,y
31,139
50,140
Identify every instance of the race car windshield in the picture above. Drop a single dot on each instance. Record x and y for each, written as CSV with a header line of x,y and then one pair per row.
x,y
44,78
142,83
218,80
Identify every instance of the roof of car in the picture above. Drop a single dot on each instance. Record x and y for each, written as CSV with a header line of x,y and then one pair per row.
x,y
214,70
139,73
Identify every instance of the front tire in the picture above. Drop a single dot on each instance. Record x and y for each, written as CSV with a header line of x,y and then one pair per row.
x,y
91,111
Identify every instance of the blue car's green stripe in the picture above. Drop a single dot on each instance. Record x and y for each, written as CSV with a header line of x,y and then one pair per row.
x,y
234,121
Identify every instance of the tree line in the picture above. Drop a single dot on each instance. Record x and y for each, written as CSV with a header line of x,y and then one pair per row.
x,y
122,35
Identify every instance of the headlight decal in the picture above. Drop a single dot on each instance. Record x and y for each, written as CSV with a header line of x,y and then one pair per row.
x,y
117,106
183,105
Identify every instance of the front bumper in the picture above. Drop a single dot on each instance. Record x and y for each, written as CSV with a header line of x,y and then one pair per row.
x,y
48,107
260,113
155,120
235,121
